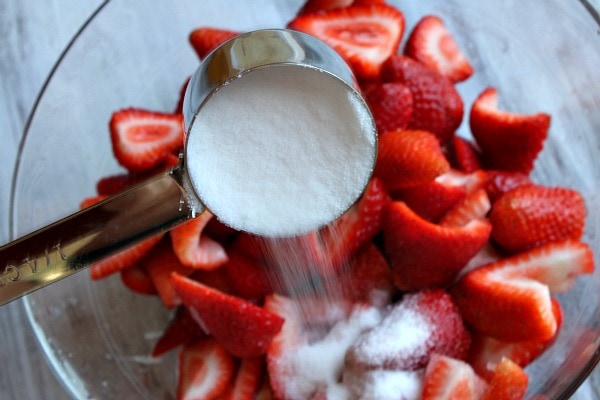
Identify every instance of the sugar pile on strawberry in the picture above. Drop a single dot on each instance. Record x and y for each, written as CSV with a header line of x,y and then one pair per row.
x,y
450,244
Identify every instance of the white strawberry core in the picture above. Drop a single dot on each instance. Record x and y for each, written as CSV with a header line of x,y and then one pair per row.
x,y
282,151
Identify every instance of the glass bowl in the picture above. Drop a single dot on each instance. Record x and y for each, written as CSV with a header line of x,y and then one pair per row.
x,y
542,55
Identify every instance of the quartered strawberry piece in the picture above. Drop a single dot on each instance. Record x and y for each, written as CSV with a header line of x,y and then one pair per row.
x,y
447,379
160,263
532,215
430,319
206,39
248,276
136,279
125,258
409,158
195,249
432,44
205,370
423,254
390,104
437,105
248,379
475,206
464,156
509,141
486,352
365,36
509,382
342,239
242,328
518,288
499,182
143,139
182,329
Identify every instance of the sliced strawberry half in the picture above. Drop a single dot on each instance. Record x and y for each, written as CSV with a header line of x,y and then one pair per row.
x,y
432,44
205,370
249,276
486,352
423,254
409,158
344,237
205,39
248,379
508,382
182,329
463,155
518,288
365,36
390,103
143,139
244,329
193,248
437,105
125,258
435,326
532,215
447,378
499,182
509,141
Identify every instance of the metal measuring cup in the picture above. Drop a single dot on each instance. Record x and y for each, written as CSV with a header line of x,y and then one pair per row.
x,y
167,200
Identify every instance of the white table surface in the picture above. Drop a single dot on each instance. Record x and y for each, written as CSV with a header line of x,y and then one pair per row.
x,y
33,33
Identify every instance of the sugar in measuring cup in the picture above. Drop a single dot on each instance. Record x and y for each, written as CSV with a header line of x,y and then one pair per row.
x,y
278,143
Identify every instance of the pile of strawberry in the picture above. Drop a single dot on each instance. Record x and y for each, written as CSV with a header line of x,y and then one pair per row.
x,y
448,264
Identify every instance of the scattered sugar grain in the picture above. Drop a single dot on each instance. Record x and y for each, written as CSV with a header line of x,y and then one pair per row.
x,y
385,385
281,151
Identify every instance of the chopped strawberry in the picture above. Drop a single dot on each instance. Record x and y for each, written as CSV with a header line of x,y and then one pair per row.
x,y
423,254
182,329
113,184
160,263
475,206
249,277
365,36
206,39
508,141
390,104
289,338
432,44
313,6
509,382
342,239
215,278
434,199
195,249
369,279
136,279
437,105
242,328
499,182
409,158
486,352
123,259
464,156
430,319
532,215
143,139
247,380
518,288
205,370
447,379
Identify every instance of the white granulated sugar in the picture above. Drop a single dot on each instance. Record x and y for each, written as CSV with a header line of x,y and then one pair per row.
x,y
281,151
400,339
319,365
385,385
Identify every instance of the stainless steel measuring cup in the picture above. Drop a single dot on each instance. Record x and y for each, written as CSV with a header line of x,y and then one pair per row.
x,y
160,203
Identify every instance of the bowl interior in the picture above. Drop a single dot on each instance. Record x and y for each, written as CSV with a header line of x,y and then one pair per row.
x,y
98,336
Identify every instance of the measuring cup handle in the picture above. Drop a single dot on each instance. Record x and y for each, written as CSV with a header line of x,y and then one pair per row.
x,y
71,244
